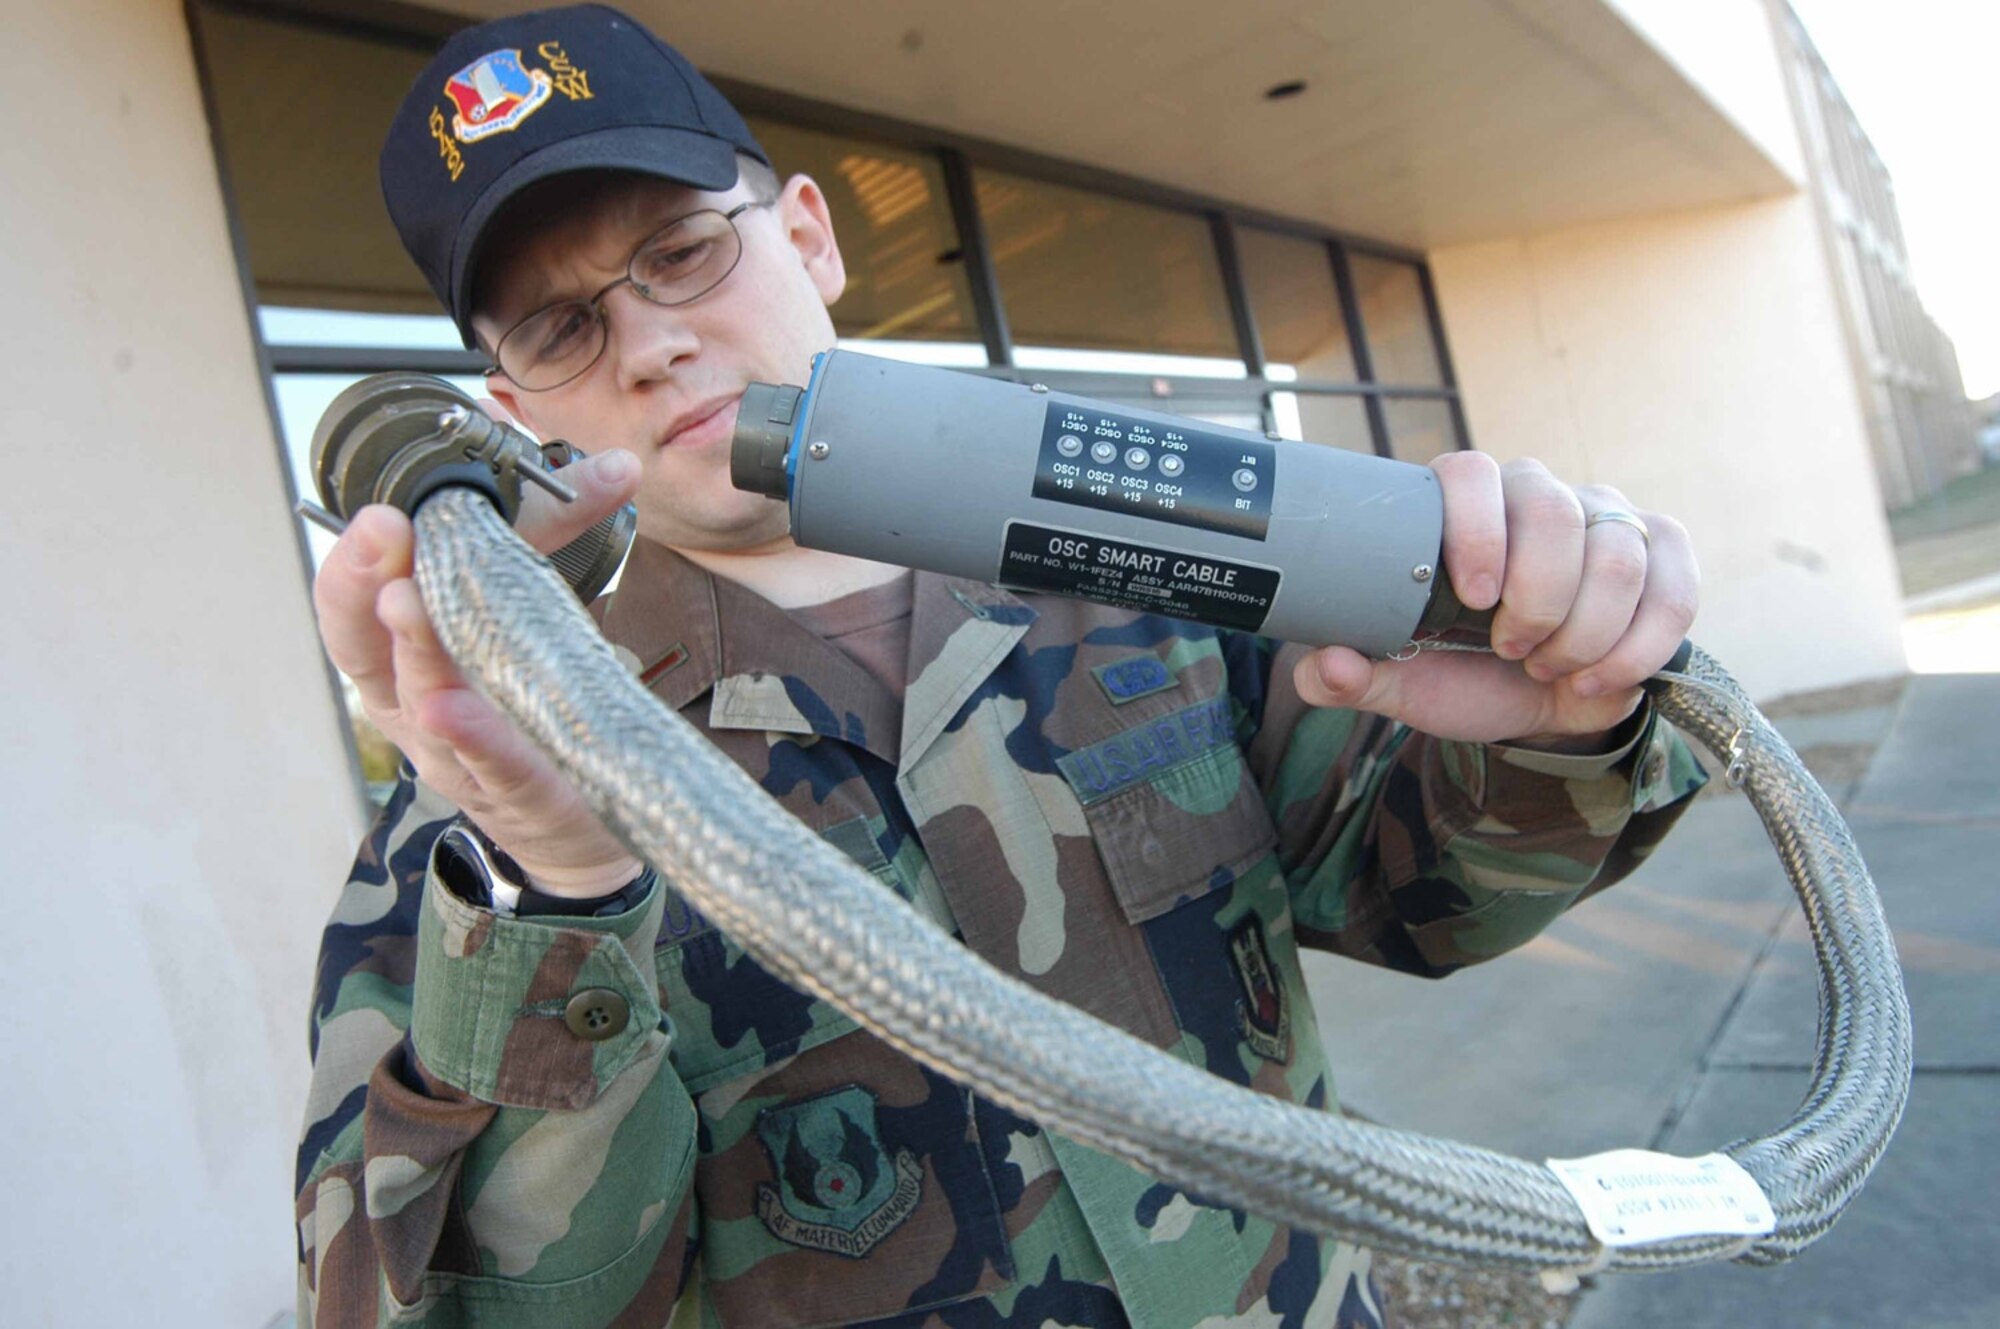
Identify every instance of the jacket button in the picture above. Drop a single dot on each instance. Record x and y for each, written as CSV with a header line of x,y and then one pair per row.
x,y
1655,767
596,1014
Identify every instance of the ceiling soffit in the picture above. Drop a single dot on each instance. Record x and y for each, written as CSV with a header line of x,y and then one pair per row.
x,y
1425,123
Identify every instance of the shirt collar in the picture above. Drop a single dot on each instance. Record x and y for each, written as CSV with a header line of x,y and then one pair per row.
x,y
693,633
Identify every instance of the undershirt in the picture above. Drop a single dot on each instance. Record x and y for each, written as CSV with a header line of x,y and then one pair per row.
x,y
870,626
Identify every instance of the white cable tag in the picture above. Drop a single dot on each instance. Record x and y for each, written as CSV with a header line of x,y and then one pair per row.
x,y
1634,1196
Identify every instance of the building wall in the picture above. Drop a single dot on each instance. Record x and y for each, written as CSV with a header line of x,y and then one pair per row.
x,y
177,803
1695,362
1920,425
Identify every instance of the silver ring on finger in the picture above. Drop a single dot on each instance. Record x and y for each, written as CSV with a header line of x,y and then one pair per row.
x,y
1624,518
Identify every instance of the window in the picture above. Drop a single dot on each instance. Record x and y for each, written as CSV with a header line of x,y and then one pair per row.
x,y
1289,282
1081,271
907,292
1340,422
1349,357
1393,311
313,221
1420,428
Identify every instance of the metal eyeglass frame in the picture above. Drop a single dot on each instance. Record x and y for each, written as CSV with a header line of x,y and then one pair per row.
x,y
596,302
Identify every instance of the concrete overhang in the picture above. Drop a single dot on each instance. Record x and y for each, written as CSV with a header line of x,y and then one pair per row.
x,y
1426,123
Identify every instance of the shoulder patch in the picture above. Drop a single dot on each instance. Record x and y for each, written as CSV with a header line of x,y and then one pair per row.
x,y
1267,1024
1133,678
838,1188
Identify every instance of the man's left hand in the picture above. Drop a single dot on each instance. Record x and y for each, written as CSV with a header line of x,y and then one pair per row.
x,y
1585,612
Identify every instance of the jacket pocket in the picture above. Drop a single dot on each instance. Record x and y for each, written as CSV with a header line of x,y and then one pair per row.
x,y
847,1185
1172,807
732,1016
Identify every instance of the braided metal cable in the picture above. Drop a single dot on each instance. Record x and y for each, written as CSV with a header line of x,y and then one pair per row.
x,y
822,924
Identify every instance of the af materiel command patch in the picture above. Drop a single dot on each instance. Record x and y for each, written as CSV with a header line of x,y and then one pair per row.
x,y
838,1187
1267,1023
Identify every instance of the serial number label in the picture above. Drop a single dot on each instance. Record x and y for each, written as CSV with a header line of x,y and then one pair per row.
x,y
1221,592
1630,1197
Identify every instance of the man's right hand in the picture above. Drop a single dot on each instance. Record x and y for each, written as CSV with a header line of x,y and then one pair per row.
x,y
373,621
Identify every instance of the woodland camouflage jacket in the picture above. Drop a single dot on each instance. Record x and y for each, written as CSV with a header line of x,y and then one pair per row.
x,y
582,1122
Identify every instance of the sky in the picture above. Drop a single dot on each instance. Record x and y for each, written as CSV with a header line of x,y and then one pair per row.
x,y
1923,77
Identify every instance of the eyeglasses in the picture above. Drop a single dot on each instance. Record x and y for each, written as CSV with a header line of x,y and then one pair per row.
x,y
679,263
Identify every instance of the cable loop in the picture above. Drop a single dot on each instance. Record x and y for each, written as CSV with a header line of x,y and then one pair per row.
x,y
820,923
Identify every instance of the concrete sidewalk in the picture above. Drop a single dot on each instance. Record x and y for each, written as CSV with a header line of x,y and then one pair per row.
x,y
1678,1010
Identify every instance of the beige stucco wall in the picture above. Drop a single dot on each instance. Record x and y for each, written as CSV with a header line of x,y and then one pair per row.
x,y
1695,362
175,801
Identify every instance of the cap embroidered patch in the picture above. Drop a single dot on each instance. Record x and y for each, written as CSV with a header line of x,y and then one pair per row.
x,y
1267,1024
1128,680
838,1189
494,94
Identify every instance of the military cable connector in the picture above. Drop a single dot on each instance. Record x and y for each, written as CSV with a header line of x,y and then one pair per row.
x,y
399,438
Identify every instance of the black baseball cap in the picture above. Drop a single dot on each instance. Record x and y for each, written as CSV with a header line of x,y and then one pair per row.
x,y
517,100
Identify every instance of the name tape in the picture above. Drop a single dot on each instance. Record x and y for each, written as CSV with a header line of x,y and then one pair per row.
x,y
1631,1197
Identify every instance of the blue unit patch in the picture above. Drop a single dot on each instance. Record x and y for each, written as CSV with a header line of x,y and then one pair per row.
x,y
1146,750
1128,680
838,1188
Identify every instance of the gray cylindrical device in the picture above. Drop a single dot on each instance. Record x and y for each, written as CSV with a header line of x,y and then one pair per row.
x,y
1037,490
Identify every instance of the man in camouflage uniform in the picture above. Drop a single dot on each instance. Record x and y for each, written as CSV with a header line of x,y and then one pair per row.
x,y
547,1092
